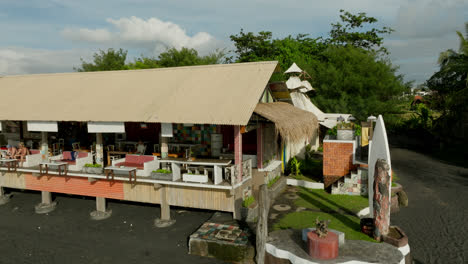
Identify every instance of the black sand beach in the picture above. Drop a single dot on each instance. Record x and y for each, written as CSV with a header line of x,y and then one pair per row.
x,y
436,220
67,235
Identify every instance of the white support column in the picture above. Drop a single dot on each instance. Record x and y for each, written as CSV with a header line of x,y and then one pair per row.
x,y
99,150
44,147
165,219
101,212
46,205
164,147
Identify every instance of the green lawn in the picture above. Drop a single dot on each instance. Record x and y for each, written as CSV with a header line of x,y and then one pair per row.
x,y
321,200
303,178
347,224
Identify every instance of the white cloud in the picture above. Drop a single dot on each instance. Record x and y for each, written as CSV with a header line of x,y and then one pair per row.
x,y
88,35
152,33
14,60
429,18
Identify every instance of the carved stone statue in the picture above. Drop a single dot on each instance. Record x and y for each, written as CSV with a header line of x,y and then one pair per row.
x,y
381,199
322,227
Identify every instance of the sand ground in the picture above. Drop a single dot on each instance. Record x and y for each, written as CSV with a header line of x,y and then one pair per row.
x,y
436,220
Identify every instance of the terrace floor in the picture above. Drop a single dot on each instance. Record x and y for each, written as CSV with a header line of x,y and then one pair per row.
x,y
124,177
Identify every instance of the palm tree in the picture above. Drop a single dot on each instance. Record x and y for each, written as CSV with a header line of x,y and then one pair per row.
x,y
452,61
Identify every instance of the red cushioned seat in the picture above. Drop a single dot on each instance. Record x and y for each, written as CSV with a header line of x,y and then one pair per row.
x,y
82,155
130,164
142,159
34,151
66,155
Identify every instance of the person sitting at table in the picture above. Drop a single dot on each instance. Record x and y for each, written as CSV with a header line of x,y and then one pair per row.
x,y
141,148
23,151
11,152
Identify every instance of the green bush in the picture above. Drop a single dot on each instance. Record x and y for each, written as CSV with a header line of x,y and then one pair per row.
x,y
90,165
273,181
295,166
332,131
162,171
248,201
357,130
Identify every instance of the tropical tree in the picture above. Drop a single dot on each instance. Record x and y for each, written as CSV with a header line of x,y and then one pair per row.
x,y
350,33
348,71
450,83
115,60
105,61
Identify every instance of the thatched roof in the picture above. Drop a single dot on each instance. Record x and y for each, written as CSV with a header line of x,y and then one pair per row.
x,y
292,123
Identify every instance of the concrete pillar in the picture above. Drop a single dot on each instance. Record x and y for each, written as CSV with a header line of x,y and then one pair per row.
x,y
165,219
165,208
46,205
4,198
238,149
46,197
99,150
164,147
101,212
44,147
260,146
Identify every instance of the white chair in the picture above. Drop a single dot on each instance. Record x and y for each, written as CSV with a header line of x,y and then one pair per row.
x,y
76,146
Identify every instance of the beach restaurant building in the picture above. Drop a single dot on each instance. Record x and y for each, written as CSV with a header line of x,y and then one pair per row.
x,y
199,137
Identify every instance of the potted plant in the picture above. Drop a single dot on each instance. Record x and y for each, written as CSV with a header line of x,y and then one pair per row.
x,y
357,134
93,168
162,174
191,156
344,131
249,210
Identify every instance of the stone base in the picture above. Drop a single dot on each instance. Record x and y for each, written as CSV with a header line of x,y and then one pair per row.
x,y
43,208
100,215
4,199
163,223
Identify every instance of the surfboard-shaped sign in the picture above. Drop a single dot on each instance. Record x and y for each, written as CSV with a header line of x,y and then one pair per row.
x,y
379,150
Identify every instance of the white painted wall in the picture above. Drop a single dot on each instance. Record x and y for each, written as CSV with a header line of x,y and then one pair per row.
x,y
43,126
106,127
379,150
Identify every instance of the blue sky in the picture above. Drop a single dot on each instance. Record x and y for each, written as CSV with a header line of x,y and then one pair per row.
x,y
42,36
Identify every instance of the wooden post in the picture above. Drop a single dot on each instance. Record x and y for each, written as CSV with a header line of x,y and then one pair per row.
x,y
381,199
99,150
44,146
262,224
260,146
238,150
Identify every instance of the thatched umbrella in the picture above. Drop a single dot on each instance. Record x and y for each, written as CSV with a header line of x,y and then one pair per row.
x,y
292,123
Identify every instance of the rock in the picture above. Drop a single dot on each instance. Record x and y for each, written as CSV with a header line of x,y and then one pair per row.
x,y
402,198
